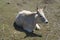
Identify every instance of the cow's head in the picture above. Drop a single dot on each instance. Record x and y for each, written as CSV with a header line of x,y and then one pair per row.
x,y
41,15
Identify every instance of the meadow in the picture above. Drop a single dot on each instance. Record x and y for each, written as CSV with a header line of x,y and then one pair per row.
x,y
10,8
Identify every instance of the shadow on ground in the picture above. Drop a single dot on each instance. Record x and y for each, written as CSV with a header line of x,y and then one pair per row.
x,y
18,28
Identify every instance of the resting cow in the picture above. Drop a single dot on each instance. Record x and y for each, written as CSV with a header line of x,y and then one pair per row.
x,y
28,19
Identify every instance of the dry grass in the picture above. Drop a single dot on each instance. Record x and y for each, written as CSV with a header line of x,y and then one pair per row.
x,y
9,9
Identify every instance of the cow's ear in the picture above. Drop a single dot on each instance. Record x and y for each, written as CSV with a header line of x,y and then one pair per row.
x,y
38,9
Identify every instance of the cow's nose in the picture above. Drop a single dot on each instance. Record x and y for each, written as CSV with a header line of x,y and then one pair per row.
x,y
46,22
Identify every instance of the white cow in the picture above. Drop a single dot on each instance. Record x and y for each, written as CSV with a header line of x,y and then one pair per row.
x,y
28,19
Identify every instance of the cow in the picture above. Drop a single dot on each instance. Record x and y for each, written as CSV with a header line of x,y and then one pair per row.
x,y
28,19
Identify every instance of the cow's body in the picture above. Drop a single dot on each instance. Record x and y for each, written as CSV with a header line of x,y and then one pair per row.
x,y
27,19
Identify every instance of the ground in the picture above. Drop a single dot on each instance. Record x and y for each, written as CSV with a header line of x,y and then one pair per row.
x,y
9,10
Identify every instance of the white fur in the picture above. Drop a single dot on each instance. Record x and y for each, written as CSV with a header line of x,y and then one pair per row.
x,y
38,27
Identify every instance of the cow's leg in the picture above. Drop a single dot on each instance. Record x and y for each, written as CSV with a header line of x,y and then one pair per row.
x,y
38,27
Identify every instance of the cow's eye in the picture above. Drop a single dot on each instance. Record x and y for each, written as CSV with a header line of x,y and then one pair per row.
x,y
40,16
